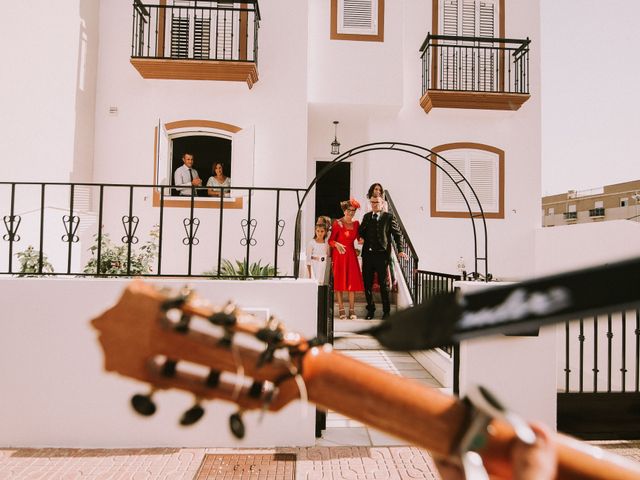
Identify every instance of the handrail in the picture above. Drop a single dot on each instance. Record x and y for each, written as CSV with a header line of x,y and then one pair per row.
x,y
394,210
458,38
444,275
217,31
475,64
408,266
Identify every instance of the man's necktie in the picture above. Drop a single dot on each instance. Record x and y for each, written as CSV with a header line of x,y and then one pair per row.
x,y
375,217
191,174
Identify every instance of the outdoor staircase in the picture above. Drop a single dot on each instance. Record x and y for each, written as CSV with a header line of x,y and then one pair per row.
x,y
361,304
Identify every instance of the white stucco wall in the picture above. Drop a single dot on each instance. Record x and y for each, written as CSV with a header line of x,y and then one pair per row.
x,y
276,105
47,90
518,370
583,245
354,72
56,394
439,241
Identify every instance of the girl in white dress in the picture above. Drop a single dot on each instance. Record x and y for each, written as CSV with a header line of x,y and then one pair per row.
x,y
318,253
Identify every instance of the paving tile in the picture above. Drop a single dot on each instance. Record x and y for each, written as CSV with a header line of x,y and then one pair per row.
x,y
356,436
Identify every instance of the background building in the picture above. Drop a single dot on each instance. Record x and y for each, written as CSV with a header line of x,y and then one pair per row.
x,y
611,202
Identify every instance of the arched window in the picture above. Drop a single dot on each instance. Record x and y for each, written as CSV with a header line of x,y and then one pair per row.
x,y
482,166
209,142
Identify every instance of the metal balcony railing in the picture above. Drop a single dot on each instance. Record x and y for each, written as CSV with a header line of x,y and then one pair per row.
x,y
220,31
475,64
112,230
596,212
570,215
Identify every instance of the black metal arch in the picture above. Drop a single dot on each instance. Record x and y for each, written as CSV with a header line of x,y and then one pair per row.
x,y
418,151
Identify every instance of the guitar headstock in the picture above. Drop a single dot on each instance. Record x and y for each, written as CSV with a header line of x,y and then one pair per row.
x,y
175,341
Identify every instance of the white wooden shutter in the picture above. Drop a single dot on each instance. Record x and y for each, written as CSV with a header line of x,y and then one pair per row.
x,y
487,18
481,169
469,18
202,34
164,170
467,13
449,17
358,17
226,39
462,68
448,195
242,159
180,34
483,176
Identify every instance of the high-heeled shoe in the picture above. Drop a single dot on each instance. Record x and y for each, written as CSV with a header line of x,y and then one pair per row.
x,y
341,314
352,315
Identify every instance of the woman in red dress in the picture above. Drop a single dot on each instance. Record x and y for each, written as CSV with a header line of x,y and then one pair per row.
x,y
346,269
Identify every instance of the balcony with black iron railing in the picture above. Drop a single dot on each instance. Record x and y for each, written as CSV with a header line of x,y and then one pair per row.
x,y
474,72
203,40
111,230
570,216
596,212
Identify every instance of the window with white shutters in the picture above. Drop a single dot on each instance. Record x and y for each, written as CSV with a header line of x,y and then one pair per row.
x,y
466,68
483,168
357,20
204,33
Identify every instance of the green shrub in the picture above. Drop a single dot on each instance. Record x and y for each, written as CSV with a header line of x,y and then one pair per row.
x,y
228,269
113,258
30,263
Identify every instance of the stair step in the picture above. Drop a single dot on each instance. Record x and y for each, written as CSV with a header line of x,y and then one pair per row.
x,y
360,297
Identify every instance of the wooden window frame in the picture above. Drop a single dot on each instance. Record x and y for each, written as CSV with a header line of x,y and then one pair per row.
x,y
175,202
434,178
357,37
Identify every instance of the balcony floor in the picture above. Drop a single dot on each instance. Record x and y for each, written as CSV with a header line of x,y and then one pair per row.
x,y
472,100
180,69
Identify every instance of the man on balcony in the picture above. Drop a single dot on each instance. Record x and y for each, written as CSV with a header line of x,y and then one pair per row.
x,y
186,176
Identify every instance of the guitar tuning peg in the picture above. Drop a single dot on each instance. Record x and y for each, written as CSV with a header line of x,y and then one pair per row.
x,y
169,368
213,379
226,316
183,325
256,389
227,339
237,425
143,404
192,415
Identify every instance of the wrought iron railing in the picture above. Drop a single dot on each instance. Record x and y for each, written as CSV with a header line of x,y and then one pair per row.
x,y
570,215
596,212
220,31
475,64
429,284
613,364
99,229
599,389
408,265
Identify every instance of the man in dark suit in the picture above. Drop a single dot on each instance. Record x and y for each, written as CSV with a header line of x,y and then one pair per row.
x,y
378,228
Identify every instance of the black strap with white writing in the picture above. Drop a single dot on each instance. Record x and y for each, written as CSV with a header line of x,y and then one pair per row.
x,y
514,308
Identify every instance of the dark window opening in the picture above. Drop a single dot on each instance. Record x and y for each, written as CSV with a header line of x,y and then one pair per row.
x,y
333,188
206,151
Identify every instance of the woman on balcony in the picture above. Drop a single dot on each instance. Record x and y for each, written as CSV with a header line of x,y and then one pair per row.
x,y
218,180
346,269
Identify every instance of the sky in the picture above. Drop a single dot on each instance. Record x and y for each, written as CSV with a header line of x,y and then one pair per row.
x,y
590,93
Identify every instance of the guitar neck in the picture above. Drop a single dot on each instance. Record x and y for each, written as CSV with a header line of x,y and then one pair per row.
x,y
432,420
